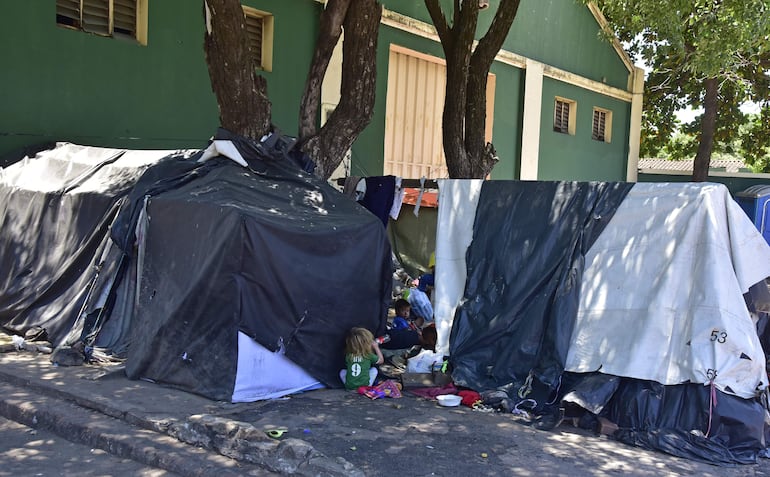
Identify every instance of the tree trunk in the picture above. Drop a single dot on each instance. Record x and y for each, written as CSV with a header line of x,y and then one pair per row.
x,y
359,77
481,155
457,42
332,19
465,102
241,94
452,121
700,166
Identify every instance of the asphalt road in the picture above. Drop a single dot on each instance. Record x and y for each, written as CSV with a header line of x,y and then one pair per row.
x,y
29,452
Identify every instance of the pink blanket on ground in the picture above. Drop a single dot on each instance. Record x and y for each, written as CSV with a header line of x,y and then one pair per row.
x,y
431,393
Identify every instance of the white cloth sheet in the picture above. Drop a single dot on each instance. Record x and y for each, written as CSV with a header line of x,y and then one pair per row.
x,y
457,201
662,292
262,374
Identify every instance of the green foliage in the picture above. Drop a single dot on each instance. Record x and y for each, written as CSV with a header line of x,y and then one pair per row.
x,y
684,42
754,147
711,37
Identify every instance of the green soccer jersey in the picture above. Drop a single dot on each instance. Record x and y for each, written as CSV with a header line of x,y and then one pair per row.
x,y
358,370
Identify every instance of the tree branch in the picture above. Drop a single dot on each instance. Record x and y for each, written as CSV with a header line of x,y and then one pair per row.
x,y
359,76
329,34
489,45
439,21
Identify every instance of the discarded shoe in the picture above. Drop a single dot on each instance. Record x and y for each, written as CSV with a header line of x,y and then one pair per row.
x,y
550,420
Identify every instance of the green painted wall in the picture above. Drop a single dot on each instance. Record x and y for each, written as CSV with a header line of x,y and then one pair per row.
x,y
564,34
509,114
369,149
61,84
578,157
560,33
66,85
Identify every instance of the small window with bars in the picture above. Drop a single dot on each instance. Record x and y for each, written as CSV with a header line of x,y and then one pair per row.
x,y
259,35
114,18
601,127
564,116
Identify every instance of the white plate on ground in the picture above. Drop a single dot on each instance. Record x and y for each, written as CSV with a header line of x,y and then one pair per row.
x,y
449,400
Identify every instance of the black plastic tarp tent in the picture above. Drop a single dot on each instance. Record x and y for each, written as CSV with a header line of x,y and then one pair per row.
x,y
278,256
208,253
55,216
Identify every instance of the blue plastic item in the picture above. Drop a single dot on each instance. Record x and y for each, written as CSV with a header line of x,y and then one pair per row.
x,y
755,201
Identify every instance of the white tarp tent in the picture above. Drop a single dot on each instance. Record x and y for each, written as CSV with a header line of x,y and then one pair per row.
x,y
662,291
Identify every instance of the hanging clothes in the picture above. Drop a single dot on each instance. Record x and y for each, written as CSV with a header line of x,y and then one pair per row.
x,y
379,195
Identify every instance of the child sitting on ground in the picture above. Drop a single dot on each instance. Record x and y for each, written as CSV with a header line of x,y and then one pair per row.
x,y
404,318
403,311
361,353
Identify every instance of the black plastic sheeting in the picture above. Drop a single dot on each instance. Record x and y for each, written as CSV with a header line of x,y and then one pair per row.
x,y
269,251
513,329
51,244
690,420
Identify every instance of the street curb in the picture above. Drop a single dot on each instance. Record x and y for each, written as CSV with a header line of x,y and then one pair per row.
x,y
237,441
115,436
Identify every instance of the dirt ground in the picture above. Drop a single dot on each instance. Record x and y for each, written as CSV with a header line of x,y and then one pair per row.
x,y
414,436
409,436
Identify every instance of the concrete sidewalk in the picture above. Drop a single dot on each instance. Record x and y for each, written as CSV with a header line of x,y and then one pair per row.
x,y
328,432
158,426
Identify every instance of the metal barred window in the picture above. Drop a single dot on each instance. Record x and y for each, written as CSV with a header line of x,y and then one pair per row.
x,y
601,125
114,18
561,117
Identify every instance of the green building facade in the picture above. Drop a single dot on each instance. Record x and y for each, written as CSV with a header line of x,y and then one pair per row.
x,y
64,84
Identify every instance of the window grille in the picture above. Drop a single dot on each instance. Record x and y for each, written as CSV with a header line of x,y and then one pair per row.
x,y
102,17
561,117
599,125
254,34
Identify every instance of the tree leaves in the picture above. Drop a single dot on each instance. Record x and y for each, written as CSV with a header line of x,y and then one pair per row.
x,y
686,42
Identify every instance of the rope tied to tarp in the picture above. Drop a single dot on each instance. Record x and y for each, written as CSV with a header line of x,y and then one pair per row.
x,y
712,404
